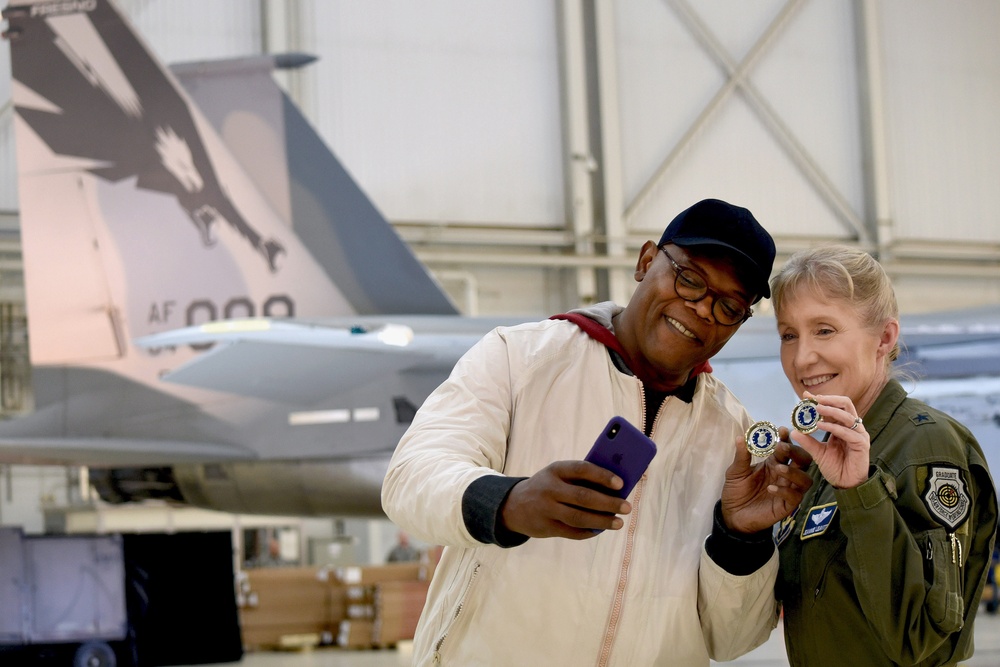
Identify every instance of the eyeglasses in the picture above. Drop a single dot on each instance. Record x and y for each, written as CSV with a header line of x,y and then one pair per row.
x,y
691,286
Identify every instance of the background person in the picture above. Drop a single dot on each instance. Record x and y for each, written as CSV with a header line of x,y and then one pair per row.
x,y
884,561
403,551
493,456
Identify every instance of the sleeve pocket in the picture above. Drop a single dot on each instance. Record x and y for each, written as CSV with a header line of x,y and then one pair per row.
x,y
944,582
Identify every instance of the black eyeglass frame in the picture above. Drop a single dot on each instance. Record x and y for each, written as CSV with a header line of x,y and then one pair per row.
x,y
717,297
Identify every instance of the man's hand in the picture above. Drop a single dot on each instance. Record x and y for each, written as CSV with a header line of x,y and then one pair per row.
x,y
551,503
755,497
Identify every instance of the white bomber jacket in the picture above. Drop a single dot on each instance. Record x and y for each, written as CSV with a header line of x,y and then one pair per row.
x,y
647,594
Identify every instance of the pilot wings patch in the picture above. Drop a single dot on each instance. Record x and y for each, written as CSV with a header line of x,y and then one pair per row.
x,y
817,520
946,496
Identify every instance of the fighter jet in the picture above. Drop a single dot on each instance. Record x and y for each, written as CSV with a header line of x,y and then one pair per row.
x,y
309,332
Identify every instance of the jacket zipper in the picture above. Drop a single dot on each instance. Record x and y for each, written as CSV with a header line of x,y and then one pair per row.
x,y
458,611
618,603
616,606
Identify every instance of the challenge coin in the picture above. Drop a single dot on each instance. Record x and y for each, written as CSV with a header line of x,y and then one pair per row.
x,y
805,416
762,438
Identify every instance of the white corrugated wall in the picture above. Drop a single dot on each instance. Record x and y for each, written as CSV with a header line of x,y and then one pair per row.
x,y
448,112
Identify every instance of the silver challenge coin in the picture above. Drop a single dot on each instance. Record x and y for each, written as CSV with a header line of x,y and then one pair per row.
x,y
762,438
805,416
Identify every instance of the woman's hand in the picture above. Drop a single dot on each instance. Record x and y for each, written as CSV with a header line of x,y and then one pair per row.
x,y
843,458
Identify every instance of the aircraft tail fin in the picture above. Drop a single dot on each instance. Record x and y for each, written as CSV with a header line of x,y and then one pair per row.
x,y
288,160
137,217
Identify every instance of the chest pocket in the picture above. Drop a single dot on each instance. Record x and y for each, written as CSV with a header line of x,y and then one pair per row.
x,y
825,560
942,573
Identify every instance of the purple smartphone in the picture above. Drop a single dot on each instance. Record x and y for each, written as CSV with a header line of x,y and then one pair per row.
x,y
624,450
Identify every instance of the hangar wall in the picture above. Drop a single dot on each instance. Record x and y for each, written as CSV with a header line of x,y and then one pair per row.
x,y
530,143
527,148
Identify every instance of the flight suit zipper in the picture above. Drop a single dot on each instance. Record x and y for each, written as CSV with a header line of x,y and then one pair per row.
x,y
831,559
815,500
956,549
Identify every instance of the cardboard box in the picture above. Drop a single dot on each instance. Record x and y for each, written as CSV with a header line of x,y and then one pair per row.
x,y
364,575
398,605
361,606
285,604
356,633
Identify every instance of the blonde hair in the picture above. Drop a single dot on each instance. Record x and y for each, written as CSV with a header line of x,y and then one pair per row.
x,y
841,272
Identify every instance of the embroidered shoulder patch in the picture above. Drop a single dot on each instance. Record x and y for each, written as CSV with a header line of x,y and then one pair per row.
x,y
785,528
921,418
946,497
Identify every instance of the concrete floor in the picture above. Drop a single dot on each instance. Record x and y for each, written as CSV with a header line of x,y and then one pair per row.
x,y
771,654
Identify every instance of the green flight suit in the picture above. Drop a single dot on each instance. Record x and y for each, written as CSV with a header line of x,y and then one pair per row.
x,y
892,571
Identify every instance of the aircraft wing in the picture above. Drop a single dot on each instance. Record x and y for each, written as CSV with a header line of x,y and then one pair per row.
x,y
303,362
963,343
954,343
116,452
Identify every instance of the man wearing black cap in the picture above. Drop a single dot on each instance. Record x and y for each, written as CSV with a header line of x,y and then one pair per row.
x,y
494,459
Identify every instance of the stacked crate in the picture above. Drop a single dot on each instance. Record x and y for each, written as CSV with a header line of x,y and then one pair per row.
x,y
282,607
397,609
370,606
383,603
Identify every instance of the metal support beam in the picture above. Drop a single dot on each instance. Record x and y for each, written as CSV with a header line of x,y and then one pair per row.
x,y
738,78
579,164
939,260
878,211
620,285
288,26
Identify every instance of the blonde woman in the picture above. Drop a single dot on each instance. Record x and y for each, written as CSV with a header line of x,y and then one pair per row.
x,y
885,559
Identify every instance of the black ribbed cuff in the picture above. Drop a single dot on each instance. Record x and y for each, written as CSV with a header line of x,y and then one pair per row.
x,y
481,510
737,553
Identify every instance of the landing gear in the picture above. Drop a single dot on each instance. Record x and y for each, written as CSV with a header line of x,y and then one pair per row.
x,y
94,654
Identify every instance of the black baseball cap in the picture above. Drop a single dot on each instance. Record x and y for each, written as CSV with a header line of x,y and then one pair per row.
x,y
719,223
